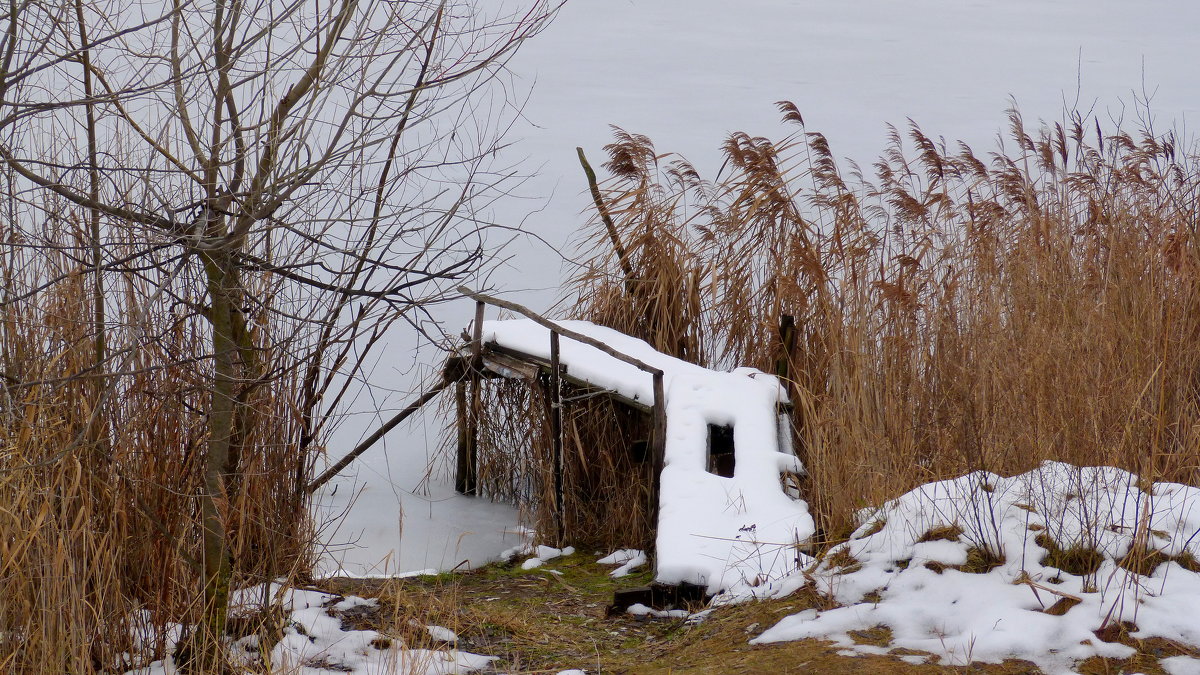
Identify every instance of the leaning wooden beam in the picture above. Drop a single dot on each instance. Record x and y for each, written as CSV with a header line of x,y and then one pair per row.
x,y
379,433
565,332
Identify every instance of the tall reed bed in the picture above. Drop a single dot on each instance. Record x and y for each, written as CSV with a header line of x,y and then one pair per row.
x,y
102,431
947,311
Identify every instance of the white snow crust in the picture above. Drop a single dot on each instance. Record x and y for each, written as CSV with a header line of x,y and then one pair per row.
x,y
628,559
545,554
886,575
730,534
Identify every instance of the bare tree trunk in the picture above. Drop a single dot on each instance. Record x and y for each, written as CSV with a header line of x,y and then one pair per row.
x,y
221,277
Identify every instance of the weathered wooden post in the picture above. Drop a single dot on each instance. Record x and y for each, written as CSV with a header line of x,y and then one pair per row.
x,y
466,479
787,345
658,445
555,409
464,475
785,369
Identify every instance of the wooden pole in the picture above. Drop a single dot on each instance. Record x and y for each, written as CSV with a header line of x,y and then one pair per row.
x,y
658,446
477,333
555,400
787,344
785,368
466,479
379,433
464,474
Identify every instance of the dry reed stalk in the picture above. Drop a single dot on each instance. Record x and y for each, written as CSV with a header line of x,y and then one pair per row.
x,y
99,533
952,312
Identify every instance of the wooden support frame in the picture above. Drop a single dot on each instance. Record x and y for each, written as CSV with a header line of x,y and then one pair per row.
x,y
504,356
565,332
658,408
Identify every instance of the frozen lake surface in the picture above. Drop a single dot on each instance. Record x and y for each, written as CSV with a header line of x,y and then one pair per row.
x,y
687,73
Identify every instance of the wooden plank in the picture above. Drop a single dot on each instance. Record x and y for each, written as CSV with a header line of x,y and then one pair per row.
x,y
508,366
493,348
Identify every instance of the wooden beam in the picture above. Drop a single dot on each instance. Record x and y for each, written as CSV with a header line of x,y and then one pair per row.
x,y
544,365
465,477
379,433
556,439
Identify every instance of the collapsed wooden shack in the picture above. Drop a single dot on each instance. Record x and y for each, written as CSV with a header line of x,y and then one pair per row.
x,y
608,442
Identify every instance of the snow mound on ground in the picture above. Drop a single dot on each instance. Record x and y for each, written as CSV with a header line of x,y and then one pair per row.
x,y
629,559
546,554
730,534
972,569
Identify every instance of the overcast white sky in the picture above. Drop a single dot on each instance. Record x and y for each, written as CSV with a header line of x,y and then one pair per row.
x,y
687,73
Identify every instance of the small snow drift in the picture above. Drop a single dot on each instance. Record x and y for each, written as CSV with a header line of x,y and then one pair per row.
x,y
724,519
1052,566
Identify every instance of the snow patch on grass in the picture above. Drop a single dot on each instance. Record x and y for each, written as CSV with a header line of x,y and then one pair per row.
x,y
315,640
544,555
629,559
1041,566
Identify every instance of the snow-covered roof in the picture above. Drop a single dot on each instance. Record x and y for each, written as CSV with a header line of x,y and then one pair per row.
x,y
726,533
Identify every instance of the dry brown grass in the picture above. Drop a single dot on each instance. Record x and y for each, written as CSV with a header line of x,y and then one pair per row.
x,y
538,622
99,474
951,312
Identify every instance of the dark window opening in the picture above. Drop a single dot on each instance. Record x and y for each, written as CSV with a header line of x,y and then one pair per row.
x,y
720,450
